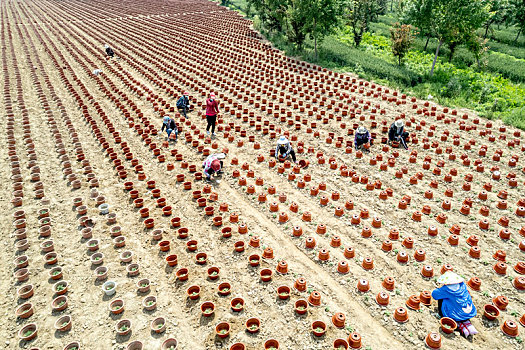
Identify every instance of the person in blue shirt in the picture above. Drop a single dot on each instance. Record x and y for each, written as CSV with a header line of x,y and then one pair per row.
x,y
362,139
455,302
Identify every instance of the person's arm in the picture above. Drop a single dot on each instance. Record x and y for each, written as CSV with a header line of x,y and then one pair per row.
x,y
163,126
391,132
288,149
369,136
216,106
438,294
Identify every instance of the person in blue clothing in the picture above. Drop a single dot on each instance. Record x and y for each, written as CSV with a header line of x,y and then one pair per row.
x,y
455,302
171,128
362,139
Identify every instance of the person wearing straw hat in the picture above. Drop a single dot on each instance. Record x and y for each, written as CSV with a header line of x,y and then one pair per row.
x,y
212,109
362,139
213,164
284,149
109,51
183,104
397,133
171,128
455,302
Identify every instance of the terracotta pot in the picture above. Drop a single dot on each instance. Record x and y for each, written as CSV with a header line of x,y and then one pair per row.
x,y
500,268
318,328
510,328
474,283
149,303
25,310
116,306
158,325
237,304
283,292
213,273
123,327
340,344
338,319
363,286
448,325
500,302
519,283
315,298
301,306
222,329
413,302
238,346
28,332
433,340
490,312
207,308
401,315
182,274
60,287
354,341
254,260
266,275
268,253
253,325
271,344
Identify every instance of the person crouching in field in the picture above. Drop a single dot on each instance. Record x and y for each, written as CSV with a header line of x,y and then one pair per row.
x,y
362,139
171,128
183,104
213,165
455,302
284,149
397,133
109,51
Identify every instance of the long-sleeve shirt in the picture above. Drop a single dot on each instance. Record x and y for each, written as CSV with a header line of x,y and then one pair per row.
x,y
171,125
362,138
395,132
212,107
286,147
207,163
183,102
109,51
457,302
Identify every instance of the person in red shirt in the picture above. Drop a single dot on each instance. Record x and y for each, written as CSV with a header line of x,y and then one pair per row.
x,y
212,109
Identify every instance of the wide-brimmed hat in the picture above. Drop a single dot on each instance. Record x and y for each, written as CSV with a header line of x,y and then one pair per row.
x,y
216,165
282,140
450,277
399,123
361,130
186,93
106,46
212,95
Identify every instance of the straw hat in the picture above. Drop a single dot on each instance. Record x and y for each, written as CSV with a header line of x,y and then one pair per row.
x,y
282,140
450,277
216,165
361,130
186,93
399,123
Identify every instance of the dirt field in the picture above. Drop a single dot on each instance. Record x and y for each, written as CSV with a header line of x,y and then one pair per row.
x,y
71,135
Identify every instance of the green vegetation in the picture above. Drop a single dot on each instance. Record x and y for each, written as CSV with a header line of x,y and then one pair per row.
x,y
487,76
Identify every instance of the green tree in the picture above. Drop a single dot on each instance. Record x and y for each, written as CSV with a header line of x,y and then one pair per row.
x,y
272,13
359,15
402,37
322,18
517,15
418,13
453,22
478,47
296,18
497,10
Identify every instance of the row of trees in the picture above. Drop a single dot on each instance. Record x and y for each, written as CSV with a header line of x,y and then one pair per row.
x,y
450,22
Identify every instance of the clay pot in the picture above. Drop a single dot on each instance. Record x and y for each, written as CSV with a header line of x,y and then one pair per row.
x,y
271,344
448,325
193,292
433,340
490,312
401,315
268,253
149,303
338,320
413,302
60,287
510,328
254,260
474,283
25,310
363,286
238,346
354,341
182,274
318,328
282,267
500,302
237,304
123,327
253,325
315,298
207,308
283,292
500,268
116,306
266,275
301,306
222,329
300,284
158,325
28,332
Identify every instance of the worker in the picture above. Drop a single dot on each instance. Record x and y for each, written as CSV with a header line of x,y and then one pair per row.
x,y
109,51
183,104
284,149
171,128
213,165
455,302
397,133
362,139
212,110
